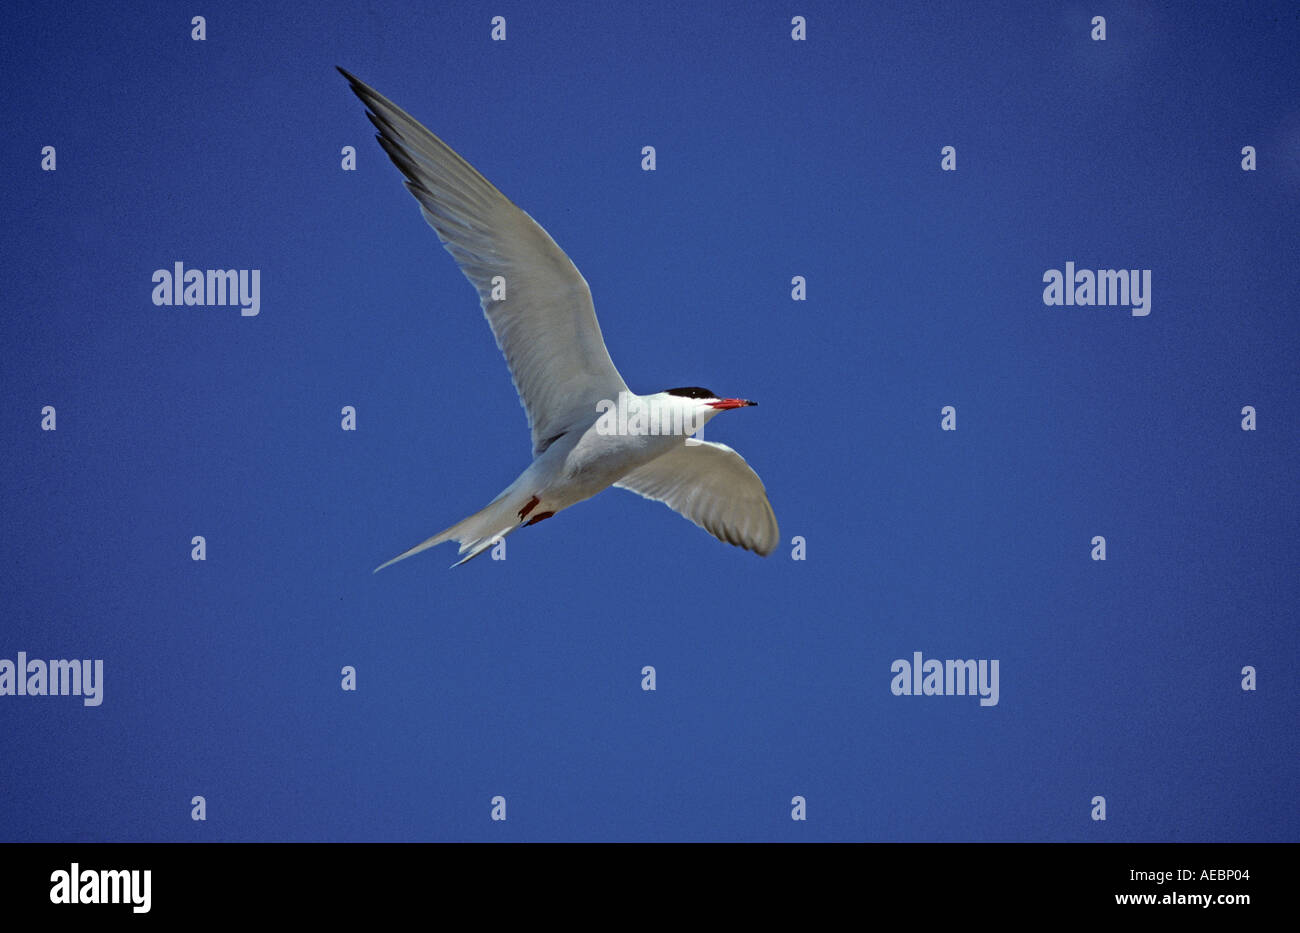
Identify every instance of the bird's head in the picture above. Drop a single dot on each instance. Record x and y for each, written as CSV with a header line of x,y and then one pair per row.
x,y
703,404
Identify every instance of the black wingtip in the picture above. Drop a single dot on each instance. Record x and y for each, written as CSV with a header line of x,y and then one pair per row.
x,y
352,79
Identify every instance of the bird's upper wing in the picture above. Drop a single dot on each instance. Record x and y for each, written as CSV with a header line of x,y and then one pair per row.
x,y
714,487
546,325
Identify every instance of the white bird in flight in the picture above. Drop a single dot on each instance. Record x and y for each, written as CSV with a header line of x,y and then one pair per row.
x,y
589,431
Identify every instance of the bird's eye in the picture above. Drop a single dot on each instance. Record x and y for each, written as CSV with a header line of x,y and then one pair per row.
x,y
690,392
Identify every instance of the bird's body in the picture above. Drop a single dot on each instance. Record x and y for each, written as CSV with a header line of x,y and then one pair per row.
x,y
589,430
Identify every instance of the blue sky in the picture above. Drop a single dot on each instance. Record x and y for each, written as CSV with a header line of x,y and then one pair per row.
x,y
521,677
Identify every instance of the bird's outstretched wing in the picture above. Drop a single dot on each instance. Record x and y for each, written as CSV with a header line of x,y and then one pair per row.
x,y
546,325
714,487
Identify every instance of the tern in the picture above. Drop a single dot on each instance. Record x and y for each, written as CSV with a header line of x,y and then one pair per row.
x,y
589,431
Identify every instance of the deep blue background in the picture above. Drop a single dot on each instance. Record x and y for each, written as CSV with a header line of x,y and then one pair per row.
x,y
522,677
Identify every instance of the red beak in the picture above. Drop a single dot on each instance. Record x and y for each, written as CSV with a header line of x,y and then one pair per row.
x,y
724,404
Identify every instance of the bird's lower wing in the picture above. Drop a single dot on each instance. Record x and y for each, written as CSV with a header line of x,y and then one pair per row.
x,y
545,324
714,487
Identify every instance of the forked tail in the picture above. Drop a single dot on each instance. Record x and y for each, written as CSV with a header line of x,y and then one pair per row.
x,y
476,534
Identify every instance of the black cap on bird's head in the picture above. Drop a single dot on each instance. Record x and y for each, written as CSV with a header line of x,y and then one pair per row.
x,y
715,401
